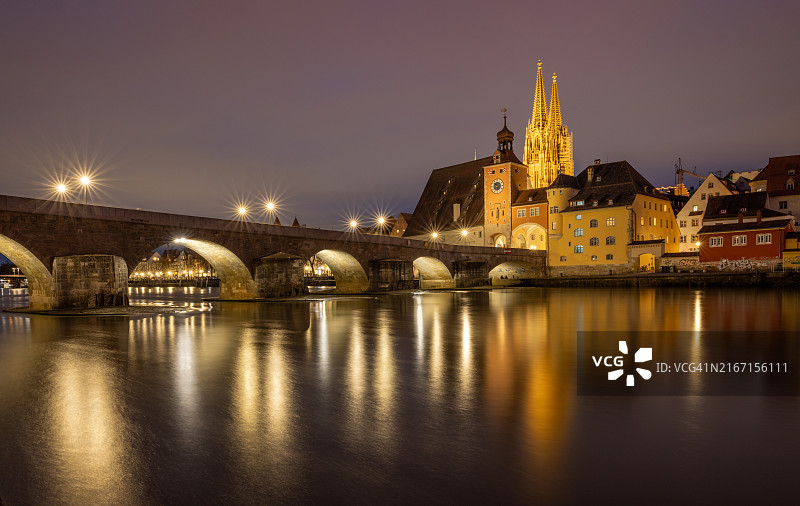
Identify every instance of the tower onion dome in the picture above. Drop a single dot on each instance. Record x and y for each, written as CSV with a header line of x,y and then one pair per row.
x,y
505,135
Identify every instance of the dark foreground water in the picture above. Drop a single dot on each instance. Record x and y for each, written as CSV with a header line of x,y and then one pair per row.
x,y
448,397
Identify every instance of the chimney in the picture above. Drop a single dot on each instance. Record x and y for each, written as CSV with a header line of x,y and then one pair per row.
x,y
758,216
741,217
456,211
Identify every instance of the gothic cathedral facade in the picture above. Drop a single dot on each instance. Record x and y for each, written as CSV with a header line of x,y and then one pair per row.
x,y
548,143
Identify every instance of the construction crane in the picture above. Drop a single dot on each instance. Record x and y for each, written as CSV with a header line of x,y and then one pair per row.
x,y
680,171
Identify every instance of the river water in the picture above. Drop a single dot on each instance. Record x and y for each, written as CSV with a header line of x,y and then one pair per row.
x,y
454,397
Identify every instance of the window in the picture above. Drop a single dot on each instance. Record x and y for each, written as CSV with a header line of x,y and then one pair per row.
x,y
791,172
695,222
682,223
715,242
609,222
641,221
553,227
563,259
742,209
592,223
683,238
578,232
516,171
694,208
739,240
611,240
764,239
594,203
594,257
578,248
694,238
578,202
553,209
611,202
782,204
711,184
594,241
790,185
520,213
598,178
609,257
723,211
534,211
491,172
578,217
702,196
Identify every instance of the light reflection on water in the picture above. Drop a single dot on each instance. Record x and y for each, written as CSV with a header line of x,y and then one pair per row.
x,y
429,397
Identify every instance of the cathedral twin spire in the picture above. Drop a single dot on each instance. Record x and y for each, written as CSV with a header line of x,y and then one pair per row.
x,y
548,143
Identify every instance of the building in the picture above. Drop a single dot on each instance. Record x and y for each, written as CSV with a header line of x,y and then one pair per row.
x,y
400,225
548,143
529,219
779,179
742,227
608,219
690,217
504,179
756,240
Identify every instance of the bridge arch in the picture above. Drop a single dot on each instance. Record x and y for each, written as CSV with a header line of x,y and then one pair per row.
x,y
513,272
235,280
529,236
41,288
347,271
433,273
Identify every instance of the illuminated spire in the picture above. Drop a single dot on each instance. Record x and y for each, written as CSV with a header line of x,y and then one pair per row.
x,y
554,120
539,117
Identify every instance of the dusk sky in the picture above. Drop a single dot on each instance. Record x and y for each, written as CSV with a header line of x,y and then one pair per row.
x,y
344,107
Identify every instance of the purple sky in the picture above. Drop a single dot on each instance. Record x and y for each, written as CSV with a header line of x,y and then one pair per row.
x,y
185,106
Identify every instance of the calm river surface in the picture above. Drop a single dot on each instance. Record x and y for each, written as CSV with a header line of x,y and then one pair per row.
x,y
435,397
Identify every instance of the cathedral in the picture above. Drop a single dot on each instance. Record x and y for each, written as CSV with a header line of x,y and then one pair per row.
x,y
548,143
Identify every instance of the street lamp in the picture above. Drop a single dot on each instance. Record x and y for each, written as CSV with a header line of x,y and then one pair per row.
x,y
86,182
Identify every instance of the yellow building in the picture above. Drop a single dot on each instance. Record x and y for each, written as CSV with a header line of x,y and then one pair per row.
x,y
608,219
548,143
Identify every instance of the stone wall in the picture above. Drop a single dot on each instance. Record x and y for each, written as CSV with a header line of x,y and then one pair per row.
x,y
83,281
279,275
593,270
388,275
467,273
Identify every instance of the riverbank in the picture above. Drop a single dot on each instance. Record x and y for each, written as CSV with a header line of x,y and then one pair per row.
x,y
138,310
691,279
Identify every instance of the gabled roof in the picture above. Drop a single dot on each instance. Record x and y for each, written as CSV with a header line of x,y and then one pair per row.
x,y
778,171
616,182
741,227
729,206
457,184
565,181
534,196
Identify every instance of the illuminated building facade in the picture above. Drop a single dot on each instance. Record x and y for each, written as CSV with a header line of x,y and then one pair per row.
x,y
548,143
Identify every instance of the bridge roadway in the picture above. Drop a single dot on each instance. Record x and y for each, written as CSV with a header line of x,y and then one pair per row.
x,y
78,255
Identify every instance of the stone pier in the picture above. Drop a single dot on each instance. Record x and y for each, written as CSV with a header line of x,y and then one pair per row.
x,y
279,275
389,275
84,281
468,273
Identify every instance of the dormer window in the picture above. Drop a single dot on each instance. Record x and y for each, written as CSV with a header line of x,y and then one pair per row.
x,y
743,210
597,178
594,203
578,202
724,211
791,172
610,202
790,184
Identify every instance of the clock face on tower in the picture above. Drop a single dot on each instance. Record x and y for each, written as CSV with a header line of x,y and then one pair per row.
x,y
497,185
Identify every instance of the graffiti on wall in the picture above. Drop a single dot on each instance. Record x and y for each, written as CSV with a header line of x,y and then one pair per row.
x,y
734,265
688,262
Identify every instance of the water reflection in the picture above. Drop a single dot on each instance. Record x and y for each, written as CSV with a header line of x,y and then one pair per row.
x,y
428,397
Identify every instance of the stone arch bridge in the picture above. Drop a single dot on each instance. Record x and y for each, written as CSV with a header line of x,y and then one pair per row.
x,y
77,255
